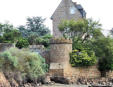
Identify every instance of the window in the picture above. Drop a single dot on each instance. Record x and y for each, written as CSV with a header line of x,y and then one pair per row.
x,y
72,10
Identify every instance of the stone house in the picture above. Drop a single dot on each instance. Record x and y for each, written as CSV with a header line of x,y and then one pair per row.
x,y
66,10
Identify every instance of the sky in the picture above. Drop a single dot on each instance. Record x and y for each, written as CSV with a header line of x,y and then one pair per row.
x,y
16,11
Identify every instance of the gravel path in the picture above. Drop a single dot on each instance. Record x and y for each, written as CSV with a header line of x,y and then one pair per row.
x,y
63,85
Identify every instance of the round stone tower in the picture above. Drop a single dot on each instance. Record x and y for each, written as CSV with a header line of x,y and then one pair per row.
x,y
59,50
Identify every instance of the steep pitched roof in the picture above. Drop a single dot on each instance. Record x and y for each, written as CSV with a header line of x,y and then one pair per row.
x,y
81,9
78,6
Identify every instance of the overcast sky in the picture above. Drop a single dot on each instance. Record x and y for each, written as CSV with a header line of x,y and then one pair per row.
x,y
16,11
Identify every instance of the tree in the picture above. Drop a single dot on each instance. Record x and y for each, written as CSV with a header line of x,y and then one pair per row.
x,y
5,28
8,33
23,31
83,32
82,29
11,36
104,51
34,26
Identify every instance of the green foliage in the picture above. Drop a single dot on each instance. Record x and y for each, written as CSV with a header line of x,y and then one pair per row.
x,y
39,40
8,33
34,30
43,40
6,27
22,43
1,39
34,26
32,39
8,61
104,51
81,59
30,64
84,28
11,36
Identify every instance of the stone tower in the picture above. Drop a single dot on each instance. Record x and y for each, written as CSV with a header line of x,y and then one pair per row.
x,y
66,10
59,56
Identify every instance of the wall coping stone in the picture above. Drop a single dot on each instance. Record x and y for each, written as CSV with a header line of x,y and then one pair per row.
x,y
60,41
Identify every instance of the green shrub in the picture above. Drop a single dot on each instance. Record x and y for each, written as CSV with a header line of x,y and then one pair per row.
x,y
30,64
32,39
39,40
1,39
22,43
82,58
42,41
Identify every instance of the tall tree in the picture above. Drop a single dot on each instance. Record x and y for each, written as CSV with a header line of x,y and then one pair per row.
x,y
103,48
34,26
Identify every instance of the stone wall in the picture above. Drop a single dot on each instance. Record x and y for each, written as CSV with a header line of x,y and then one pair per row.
x,y
59,62
87,72
4,46
37,48
109,74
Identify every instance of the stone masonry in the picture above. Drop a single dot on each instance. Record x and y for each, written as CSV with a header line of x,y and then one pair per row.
x,y
67,10
60,66
59,56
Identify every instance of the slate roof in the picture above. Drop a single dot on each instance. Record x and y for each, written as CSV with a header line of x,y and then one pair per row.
x,y
80,8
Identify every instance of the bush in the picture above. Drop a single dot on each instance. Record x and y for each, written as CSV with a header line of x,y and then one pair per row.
x,y
82,58
39,40
32,39
31,65
42,41
1,39
22,43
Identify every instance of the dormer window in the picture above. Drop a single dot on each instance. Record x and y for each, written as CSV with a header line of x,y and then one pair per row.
x,y
72,10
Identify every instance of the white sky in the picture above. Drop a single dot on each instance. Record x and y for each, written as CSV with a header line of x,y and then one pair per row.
x,y
16,11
